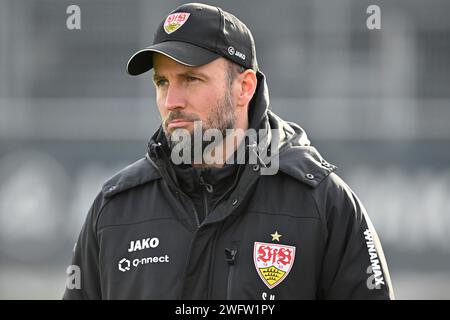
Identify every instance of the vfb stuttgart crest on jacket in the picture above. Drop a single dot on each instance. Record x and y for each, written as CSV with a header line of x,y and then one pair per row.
x,y
175,21
273,262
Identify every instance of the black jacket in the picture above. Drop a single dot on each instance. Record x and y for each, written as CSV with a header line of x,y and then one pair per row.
x,y
299,234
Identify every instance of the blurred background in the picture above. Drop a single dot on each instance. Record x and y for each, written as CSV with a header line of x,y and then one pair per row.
x,y
376,103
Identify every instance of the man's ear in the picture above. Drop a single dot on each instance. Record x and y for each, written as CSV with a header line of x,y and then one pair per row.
x,y
246,87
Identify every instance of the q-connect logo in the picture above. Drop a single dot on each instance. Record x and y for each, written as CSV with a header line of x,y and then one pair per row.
x,y
124,265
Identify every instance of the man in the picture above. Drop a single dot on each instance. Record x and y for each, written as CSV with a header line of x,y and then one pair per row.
x,y
262,217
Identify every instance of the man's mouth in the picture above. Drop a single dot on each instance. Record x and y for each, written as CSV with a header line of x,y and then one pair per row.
x,y
178,123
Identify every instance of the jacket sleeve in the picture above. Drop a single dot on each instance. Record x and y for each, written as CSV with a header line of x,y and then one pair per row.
x,y
83,280
354,266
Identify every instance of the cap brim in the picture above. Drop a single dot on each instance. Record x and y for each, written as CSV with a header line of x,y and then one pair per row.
x,y
182,52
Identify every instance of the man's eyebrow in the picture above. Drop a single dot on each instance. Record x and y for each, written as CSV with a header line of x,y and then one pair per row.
x,y
194,73
157,77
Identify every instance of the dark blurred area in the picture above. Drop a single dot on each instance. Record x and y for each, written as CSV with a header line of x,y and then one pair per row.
x,y
376,103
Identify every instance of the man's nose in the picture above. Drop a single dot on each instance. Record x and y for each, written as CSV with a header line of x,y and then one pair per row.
x,y
175,98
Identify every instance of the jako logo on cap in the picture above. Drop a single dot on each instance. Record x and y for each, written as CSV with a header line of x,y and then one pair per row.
x,y
175,21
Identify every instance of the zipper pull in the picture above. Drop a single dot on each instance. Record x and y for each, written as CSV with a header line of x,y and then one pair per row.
x,y
231,256
208,186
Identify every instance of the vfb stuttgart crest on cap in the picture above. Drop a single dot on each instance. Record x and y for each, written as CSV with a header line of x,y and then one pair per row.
x,y
273,262
175,21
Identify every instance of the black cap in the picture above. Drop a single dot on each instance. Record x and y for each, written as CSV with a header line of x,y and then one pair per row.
x,y
195,34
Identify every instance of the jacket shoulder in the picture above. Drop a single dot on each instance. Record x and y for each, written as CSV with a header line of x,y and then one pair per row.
x,y
297,157
136,174
337,203
306,165
334,191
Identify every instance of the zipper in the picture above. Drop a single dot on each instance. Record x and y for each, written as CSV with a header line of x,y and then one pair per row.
x,y
230,257
157,148
209,188
205,203
196,217
178,192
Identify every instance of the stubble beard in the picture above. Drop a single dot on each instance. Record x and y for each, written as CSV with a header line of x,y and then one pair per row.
x,y
222,118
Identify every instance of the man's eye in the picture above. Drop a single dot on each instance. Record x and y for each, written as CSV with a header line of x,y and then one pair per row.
x,y
160,83
191,78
